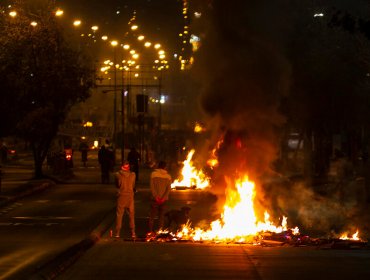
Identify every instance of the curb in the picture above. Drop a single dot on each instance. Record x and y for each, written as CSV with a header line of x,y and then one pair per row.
x,y
32,190
67,258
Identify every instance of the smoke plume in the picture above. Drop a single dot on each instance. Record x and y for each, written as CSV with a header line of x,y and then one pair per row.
x,y
244,77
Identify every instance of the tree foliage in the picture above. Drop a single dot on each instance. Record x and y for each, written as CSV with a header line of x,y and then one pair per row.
x,y
41,74
329,88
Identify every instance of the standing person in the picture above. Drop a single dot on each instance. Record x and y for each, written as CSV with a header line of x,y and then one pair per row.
x,y
111,154
125,183
134,158
160,186
84,149
105,164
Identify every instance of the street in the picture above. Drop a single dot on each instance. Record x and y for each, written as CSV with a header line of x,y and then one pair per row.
x,y
110,259
39,229
259,111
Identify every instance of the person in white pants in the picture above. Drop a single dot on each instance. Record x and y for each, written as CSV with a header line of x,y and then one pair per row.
x,y
125,183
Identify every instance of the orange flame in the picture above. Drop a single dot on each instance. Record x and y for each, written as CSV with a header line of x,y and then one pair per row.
x,y
345,236
191,177
238,222
198,128
213,161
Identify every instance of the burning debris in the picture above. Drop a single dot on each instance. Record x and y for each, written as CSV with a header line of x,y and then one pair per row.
x,y
239,222
266,239
191,177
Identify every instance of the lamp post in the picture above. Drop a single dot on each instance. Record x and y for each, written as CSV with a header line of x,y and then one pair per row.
x,y
122,119
114,45
160,103
123,123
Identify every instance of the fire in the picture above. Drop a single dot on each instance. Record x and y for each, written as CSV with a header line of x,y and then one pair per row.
x,y
191,177
344,236
198,128
213,161
238,222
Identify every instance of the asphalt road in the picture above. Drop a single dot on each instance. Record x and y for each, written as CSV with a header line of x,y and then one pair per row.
x,y
110,259
36,229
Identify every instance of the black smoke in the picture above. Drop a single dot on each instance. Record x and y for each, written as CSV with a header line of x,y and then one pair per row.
x,y
244,77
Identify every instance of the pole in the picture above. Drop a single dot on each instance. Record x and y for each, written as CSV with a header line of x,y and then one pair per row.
x,y
160,104
115,103
123,124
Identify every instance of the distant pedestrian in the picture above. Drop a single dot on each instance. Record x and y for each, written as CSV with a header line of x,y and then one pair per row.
x,y
111,154
104,159
125,183
84,148
160,186
134,158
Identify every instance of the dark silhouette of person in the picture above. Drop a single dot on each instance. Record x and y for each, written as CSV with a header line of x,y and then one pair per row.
x,y
105,161
111,153
84,148
134,158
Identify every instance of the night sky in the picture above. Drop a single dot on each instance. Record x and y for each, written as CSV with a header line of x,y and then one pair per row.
x,y
158,19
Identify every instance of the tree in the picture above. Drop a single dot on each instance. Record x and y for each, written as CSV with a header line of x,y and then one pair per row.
x,y
328,87
41,74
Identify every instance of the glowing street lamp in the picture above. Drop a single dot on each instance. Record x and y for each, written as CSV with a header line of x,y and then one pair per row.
x,y
126,46
13,14
77,22
59,12
34,23
94,28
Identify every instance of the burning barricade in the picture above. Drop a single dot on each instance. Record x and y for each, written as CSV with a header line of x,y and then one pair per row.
x,y
238,222
191,178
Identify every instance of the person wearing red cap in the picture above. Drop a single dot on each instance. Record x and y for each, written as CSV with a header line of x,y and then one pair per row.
x,y
125,182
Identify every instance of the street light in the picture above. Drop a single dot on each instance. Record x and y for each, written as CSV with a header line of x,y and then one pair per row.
x,y
59,12
122,119
114,45
77,22
13,14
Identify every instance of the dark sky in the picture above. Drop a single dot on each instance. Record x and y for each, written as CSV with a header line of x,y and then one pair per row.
x,y
159,19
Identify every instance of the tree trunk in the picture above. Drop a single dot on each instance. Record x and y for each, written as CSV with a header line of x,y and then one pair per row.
x,y
39,154
38,169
